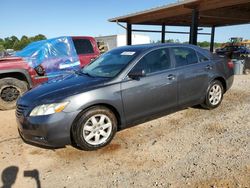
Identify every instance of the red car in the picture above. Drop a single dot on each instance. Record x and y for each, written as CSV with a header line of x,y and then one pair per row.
x,y
20,73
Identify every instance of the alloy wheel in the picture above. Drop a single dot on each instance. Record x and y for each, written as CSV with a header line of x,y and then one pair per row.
x,y
215,94
97,129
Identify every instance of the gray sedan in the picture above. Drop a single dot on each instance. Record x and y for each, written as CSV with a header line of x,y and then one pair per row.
x,y
123,87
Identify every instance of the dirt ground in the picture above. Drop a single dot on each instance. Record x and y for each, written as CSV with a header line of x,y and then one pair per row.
x,y
190,148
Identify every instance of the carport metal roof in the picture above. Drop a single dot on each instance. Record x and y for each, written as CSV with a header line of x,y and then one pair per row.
x,y
193,13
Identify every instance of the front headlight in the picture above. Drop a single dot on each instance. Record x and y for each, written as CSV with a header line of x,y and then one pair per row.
x,y
47,109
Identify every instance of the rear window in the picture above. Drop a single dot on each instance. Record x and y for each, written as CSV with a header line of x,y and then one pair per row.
x,y
83,46
184,56
202,58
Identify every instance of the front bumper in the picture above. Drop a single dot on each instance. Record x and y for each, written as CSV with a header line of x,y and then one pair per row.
x,y
51,130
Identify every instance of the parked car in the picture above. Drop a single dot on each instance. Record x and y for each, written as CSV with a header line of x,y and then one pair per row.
x,y
123,87
39,62
233,50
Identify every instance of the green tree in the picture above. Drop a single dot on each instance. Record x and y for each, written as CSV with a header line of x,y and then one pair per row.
x,y
1,48
14,43
39,37
7,43
1,44
169,41
23,42
204,44
10,41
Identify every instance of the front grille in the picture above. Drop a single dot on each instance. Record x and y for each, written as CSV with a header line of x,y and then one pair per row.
x,y
20,110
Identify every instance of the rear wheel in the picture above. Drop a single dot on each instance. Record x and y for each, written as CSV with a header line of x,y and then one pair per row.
x,y
95,128
10,90
247,71
214,95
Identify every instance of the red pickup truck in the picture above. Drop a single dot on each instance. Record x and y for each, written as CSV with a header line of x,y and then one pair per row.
x,y
17,75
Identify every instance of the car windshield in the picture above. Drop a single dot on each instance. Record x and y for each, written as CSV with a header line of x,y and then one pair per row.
x,y
110,64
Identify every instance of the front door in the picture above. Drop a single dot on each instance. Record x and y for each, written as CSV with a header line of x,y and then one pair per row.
x,y
153,93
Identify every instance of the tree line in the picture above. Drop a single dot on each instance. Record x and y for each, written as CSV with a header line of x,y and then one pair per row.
x,y
17,44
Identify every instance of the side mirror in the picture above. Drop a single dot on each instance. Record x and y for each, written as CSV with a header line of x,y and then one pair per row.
x,y
136,74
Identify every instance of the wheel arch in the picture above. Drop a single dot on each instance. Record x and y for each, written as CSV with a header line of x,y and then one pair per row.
x,y
223,82
22,75
106,105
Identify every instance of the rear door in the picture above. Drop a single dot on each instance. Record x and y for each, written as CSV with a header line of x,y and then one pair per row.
x,y
86,50
193,74
153,93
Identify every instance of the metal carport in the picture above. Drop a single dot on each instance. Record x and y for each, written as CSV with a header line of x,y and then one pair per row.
x,y
192,13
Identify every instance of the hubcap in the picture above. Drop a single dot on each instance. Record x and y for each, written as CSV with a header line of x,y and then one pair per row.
x,y
9,93
97,129
215,94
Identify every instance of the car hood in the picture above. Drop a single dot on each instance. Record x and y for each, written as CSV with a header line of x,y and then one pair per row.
x,y
58,89
10,59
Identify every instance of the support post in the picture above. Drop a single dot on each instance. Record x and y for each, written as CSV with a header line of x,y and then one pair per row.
x,y
194,27
129,34
212,39
163,31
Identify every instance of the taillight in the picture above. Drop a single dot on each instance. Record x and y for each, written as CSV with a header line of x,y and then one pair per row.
x,y
230,64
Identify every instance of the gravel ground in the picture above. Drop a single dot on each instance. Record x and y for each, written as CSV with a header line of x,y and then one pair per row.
x,y
190,148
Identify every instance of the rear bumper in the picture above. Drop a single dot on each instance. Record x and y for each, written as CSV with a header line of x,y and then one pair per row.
x,y
51,131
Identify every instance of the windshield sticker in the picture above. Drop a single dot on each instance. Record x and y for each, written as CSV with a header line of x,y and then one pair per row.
x,y
127,53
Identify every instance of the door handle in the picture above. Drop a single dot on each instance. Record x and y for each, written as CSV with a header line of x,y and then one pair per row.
x,y
209,67
171,77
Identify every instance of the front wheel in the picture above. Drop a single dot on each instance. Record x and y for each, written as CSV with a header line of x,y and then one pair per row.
x,y
10,90
95,128
214,95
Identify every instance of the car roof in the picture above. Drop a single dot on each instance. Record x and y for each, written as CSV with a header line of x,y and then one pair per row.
x,y
143,47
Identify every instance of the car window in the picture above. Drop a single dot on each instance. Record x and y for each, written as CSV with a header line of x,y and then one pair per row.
x,y
83,46
201,57
184,56
110,63
155,61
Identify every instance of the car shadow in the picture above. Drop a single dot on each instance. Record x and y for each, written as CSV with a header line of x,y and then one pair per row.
x,y
10,173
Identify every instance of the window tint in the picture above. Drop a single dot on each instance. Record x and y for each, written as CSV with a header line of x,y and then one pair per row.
x,y
154,61
184,56
83,46
201,57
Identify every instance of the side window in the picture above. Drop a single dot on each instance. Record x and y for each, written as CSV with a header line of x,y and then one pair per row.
x,y
184,56
202,58
83,46
155,61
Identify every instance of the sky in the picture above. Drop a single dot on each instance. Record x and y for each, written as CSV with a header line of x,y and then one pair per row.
x,y
55,18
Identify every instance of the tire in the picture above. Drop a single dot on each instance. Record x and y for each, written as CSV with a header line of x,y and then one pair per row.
x,y
92,136
247,71
10,90
212,102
